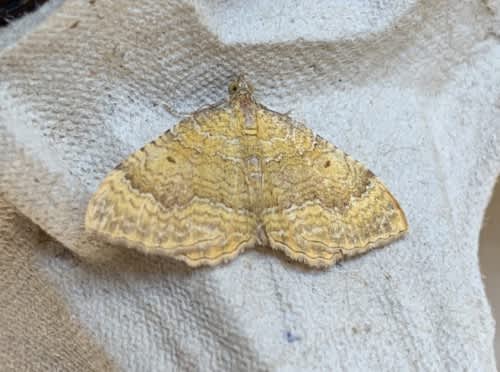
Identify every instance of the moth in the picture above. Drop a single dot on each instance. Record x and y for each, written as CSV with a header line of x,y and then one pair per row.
x,y
239,175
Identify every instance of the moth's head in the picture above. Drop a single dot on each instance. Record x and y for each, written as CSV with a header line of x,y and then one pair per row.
x,y
240,87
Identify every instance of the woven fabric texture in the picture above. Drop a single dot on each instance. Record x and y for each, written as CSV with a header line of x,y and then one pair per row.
x,y
410,88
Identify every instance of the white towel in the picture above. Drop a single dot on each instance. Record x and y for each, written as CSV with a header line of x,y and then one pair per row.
x,y
410,88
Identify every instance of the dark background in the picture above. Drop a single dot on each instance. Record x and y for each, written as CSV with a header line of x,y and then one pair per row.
x,y
12,9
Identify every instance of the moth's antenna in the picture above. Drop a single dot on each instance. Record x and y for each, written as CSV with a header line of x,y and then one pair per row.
x,y
174,112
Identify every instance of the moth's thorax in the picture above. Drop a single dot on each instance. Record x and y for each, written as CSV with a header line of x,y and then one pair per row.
x,y
245,109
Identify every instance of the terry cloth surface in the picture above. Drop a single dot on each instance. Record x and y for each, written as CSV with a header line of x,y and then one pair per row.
x,y
409,88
